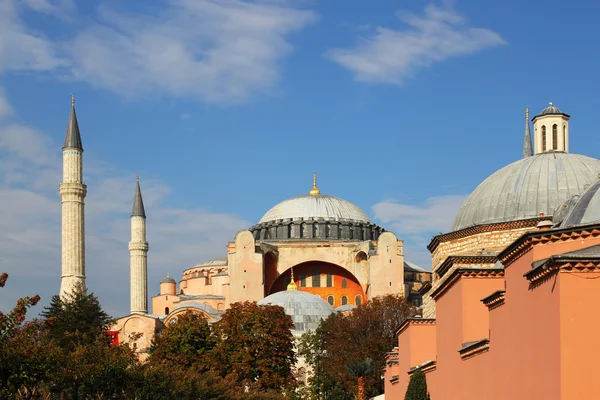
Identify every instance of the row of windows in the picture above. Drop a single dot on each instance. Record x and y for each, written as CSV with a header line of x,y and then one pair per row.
x,y
344,300
554,136
316,280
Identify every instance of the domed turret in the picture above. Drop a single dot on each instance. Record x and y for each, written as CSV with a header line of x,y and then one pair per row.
x,y
551,130
168,286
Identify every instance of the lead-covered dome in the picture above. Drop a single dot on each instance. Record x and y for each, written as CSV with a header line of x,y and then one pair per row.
x,y
315,216
586,210
315,206
528,187
307,310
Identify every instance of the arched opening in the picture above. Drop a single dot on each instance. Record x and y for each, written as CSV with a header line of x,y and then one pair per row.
x,y
344,300
322,279
331,300
543,137
554,137
166,310
358,300
360,257
564,137
270,261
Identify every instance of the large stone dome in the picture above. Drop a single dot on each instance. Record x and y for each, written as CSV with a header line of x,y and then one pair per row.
x,y
315,206
307,310
528,187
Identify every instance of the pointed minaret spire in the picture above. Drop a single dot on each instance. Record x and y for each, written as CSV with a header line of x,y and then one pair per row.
x,y
138,255
73,137
527,147
138,203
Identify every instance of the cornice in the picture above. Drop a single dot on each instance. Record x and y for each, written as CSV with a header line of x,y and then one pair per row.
x,y
515,250
473,230
464,259
494,300
556,264
414,321
473,348
459,273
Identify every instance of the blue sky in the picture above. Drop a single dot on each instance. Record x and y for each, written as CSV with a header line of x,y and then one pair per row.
x,y
226,107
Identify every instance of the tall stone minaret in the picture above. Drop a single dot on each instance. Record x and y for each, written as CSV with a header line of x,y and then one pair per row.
x,y
72,192
138,254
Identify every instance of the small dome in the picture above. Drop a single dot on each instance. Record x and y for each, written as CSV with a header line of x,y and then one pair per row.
x,y
551,109
315,206
168,279
526,188
586,210
307,310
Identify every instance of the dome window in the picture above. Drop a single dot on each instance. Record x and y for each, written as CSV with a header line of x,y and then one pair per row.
x,y
316,278
330,300
554,137
329,279
543,137
344,300
344,283
358,300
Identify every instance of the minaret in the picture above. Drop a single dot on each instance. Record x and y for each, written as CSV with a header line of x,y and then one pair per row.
x,y
527,147
138,254
72,192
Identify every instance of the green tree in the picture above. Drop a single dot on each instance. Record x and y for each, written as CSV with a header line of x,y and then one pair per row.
x,y
11,327
417,387
186,342
255,346
77,320
367,332
360,370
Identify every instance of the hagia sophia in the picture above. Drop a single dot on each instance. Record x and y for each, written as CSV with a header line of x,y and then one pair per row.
x,y
507,311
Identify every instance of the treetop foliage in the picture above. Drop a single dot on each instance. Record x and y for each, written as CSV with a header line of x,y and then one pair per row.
x,y
417,387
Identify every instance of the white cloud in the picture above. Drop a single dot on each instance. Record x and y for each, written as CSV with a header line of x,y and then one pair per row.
x,y
30,224
392,56
5,108
416,224
185,116
222,51
22,48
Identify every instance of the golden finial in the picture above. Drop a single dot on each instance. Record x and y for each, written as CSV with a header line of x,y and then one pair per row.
x,y
292,284
72,100
315,191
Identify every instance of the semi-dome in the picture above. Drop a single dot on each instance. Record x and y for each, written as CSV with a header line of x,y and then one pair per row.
x,y
586,210
307,310
528,187
168,279
315,206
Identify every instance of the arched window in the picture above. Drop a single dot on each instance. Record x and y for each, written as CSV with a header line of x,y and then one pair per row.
x,y
344,283
302,280
358,300
564,137
344,300
316,278
166,310
330,300
544,138
329,279
554,137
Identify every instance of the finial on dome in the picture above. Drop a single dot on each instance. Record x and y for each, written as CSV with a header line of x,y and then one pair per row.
x,y
137,177
292,284
315,191
72,100
551,104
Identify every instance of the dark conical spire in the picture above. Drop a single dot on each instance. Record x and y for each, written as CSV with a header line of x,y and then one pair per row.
x,y
138,203
527,147
72,137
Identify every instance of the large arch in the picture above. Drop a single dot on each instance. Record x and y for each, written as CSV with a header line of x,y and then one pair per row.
x,y
323,279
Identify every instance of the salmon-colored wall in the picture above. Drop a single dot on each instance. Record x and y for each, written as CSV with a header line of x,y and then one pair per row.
x,y
541,339
579,330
